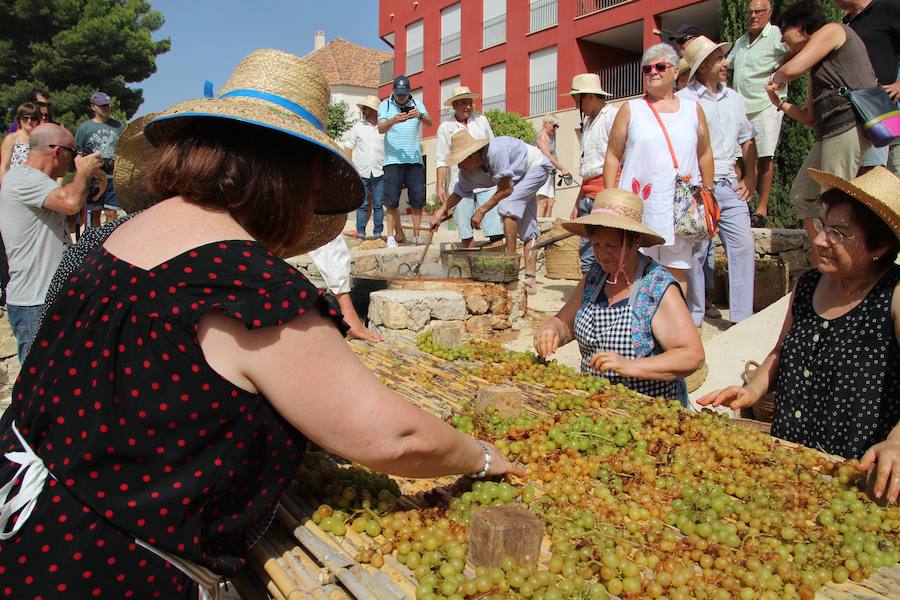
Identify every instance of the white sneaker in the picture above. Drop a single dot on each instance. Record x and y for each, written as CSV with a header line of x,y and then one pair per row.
x,y
391,242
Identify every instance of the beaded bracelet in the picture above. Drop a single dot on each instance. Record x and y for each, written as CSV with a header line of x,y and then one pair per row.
x,y
488,459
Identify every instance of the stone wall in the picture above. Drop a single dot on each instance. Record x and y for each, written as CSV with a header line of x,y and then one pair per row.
x,y
781,257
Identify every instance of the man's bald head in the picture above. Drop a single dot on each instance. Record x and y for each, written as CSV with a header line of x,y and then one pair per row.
x,y
49,134
759,13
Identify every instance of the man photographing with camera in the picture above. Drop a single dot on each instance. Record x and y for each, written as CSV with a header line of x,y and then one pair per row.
x,y
100,134
400,119
33,209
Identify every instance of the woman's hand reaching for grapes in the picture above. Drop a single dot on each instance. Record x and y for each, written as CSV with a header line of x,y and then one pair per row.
x,y
884,458
734,397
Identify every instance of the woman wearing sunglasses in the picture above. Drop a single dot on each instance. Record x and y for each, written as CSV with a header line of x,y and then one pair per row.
x,y
638,145
14,149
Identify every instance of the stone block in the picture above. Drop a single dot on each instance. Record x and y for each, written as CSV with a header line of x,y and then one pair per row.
x,y
505,399
775,241
770,284
477,304
797,261
448,334
498,532
479,325
449,306
499,322
372,244
501,305
365,265
419,316
394,315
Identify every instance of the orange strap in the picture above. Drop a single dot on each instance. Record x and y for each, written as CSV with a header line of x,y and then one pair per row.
x,y
665,133
592,186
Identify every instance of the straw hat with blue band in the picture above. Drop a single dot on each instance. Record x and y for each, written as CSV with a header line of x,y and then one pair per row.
x,y
281,92
134,158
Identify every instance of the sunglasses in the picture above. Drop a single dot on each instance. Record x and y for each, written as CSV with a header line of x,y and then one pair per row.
x,y
74,151
556,127
659,67
28,118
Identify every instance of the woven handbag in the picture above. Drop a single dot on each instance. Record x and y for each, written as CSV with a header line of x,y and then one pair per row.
x,y
696,209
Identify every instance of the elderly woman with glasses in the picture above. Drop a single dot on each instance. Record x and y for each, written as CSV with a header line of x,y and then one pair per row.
x,y
835,370
638,145
14,149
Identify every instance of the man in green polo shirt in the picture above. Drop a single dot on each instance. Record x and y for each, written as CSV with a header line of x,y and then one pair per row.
x,y
752,60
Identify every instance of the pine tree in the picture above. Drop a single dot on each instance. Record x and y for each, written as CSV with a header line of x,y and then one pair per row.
x,y
796,139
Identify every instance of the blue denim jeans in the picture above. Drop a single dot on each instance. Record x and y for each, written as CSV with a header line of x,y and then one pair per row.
x,y
375,187
24,321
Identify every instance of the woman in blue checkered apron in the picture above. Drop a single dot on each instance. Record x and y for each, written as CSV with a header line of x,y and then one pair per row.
x,y
628,314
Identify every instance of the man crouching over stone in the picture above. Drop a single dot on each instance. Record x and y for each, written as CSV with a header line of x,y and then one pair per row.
x,y
518,170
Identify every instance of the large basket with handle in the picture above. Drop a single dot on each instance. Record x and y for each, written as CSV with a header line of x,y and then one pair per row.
x,y
495,267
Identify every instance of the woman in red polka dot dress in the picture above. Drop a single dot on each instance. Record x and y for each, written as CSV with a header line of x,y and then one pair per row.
x,y
168,397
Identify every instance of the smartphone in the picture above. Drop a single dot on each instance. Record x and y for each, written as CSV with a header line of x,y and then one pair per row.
x,y
405,109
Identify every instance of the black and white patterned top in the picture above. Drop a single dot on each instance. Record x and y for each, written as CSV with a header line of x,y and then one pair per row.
x,y
625,327
838,385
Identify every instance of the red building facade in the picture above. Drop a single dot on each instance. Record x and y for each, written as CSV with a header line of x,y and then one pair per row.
x,y
527,50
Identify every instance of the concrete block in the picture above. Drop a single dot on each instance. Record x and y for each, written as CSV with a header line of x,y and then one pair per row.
x,y
448,334
505,399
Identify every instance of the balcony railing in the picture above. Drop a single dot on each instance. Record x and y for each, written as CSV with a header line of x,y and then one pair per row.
x,y
414,60
497,102
386,71
543,14
494,32
450,46
543,98
588,6
622,80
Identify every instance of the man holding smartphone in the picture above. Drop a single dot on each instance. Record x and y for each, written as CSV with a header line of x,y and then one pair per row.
x,y
400,119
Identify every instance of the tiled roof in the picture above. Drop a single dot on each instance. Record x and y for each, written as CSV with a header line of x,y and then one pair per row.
x,y
345,63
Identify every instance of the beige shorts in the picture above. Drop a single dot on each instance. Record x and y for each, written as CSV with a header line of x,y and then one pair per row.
x,y
767,127
839,155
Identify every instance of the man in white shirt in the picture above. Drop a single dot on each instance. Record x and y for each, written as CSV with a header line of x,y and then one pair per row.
x,y
596,123
33,209
479,128
728,128
366,145
753,59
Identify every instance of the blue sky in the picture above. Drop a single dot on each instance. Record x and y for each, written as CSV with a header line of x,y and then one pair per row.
x,y
210,37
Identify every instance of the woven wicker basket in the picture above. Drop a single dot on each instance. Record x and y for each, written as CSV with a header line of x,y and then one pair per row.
x,y
561,259
495,267
696,379
753,424
762,410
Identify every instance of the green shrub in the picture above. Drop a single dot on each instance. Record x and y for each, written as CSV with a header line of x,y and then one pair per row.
x,y
511,124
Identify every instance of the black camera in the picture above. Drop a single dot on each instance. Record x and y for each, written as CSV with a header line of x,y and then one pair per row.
x,y
405,109
107,165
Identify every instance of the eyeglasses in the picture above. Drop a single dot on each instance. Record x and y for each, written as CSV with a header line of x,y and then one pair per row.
x,y
27,118
752,12
833,235
74,151
659,67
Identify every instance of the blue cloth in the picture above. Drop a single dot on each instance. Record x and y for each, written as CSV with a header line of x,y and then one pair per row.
x,y
585,249
24,322
109,200
375,187
504,157
402,142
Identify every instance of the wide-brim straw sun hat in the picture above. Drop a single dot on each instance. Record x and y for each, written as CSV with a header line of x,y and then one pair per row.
x,y
461,92
587,83
617,209
369,102
283,93
698,49
134,158
878,190
462,146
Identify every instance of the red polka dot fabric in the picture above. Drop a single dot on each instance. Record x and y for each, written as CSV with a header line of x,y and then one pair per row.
x,y
145,440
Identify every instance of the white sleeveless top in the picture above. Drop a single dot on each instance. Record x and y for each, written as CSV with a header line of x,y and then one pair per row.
x,y
647,168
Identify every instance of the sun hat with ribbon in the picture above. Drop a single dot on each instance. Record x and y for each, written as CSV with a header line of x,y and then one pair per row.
x,y
369,102
587,83
698,49
281,92
461,92
134,158
617,209
878,190
462,146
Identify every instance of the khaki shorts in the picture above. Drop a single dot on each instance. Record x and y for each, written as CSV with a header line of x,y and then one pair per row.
x,y
767,127
839,155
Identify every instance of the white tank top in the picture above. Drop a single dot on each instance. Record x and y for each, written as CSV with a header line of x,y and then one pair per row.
x,y
647,168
